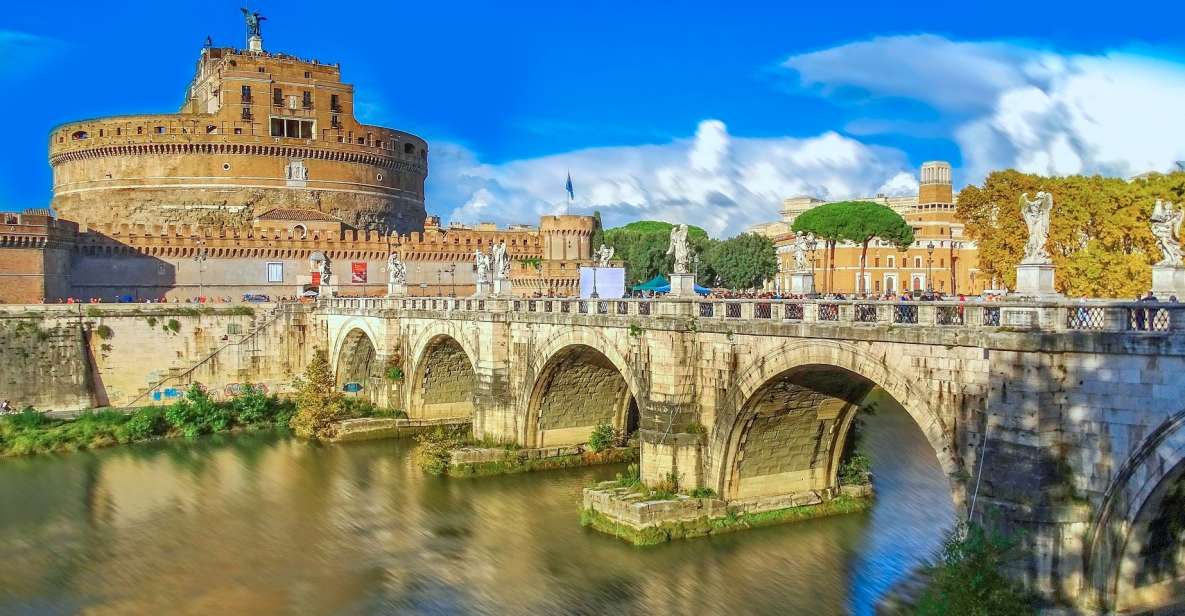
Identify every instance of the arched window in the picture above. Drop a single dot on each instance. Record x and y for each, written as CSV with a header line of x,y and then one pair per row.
x,y
79,135
302,231
409,148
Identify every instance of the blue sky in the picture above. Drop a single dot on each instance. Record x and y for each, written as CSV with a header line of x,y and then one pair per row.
x,y
706,112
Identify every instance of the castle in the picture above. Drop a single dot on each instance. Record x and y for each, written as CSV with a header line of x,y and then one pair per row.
x,y
263,169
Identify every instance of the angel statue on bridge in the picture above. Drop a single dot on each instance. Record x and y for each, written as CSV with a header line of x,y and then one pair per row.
x,y
482,261
396,270
1166,228
603,255
1036,215
678,247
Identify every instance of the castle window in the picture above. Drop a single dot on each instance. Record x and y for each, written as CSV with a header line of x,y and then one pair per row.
x,y
246,113
261,69
160,130
211,129
335,122
277,127
246,93
307,74
278,97
226,166
118,132
307,100
380,176
361,140
238,131
409,148
424,154
334,103
79,135
378,143
100,132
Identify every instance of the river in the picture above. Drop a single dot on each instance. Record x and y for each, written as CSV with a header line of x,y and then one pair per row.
x,y
262,523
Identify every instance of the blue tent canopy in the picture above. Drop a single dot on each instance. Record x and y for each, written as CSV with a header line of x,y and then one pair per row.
x,y
667,289
658,284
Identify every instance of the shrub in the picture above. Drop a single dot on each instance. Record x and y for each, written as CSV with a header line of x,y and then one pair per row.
x,y
667,488
151,321
252,406
143,424
104,332
702,493
856,470
198,414
395,374
28,418
434,453
969,577
173,326
318,402
603,437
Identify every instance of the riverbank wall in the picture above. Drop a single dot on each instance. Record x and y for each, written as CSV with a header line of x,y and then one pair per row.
x,y
73,357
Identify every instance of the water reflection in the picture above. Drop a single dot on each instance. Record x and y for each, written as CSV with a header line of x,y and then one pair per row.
x,y
264,524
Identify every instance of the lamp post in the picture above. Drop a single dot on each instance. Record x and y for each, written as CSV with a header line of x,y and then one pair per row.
x,y
439,272
200,257
954,272
694,269
930,267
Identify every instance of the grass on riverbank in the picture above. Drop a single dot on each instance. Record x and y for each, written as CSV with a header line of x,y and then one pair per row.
x,y
31,432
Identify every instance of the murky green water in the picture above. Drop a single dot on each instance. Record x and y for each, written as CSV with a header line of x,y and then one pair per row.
x,y
264,524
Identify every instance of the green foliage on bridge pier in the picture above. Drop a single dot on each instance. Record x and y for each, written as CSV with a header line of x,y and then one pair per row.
x,y
969,577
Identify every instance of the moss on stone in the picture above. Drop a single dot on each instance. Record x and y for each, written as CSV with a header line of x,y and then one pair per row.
x,y
702,527
513,463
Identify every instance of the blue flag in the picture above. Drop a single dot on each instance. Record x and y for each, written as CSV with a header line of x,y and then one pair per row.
x,y
568,187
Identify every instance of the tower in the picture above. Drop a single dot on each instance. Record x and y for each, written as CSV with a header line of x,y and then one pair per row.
x,y
936,183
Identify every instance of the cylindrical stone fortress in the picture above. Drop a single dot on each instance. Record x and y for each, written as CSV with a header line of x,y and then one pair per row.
x,y
257,131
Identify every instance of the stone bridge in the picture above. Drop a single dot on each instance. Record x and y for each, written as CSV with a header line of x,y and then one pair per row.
x,y
1065,420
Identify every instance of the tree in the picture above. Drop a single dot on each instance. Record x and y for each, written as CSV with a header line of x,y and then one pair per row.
x,y
598,234
318,402
744,261
642,245
1099,236
858,222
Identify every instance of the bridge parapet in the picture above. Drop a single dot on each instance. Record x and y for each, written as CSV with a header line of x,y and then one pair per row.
x,y
1082,316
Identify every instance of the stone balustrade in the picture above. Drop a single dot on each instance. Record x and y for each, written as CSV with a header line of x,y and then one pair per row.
x,y
1098,316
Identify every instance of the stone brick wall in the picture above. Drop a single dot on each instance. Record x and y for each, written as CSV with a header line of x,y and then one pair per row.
x,y
449,380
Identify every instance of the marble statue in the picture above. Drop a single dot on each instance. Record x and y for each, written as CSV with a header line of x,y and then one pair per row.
x,y
482,260
678,247
396,270
801,244
326,273
1036,215
252,19
1166,228
603,255
501,261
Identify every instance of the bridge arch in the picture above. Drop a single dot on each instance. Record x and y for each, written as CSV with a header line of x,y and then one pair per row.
x,y
443,381
357,361
764,451
575,381
1138,534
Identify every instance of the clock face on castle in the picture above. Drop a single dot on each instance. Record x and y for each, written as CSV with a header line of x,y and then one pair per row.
x,y
257,131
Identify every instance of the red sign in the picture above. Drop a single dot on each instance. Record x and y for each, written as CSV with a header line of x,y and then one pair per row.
x,y
316,279
358,272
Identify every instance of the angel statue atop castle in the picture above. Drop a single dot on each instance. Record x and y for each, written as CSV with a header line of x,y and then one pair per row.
x,y
1166,228
252,19
1036,215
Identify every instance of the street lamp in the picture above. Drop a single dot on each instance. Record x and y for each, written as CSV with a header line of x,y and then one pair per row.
x,y
200,257
954,272
930,267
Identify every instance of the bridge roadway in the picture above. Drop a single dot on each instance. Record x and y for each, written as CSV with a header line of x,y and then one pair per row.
x,y
1068,417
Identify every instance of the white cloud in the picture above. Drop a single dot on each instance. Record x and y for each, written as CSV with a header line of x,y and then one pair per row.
x,y
1022,107
715,180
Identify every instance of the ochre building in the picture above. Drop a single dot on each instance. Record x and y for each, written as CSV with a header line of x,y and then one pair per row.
x,y
257,131
942,258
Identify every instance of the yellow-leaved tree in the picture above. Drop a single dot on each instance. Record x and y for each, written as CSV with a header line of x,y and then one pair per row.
x,y
1099,234
318,402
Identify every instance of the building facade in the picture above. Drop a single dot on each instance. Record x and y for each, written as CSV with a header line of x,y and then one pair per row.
x,y
942,258
257,131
